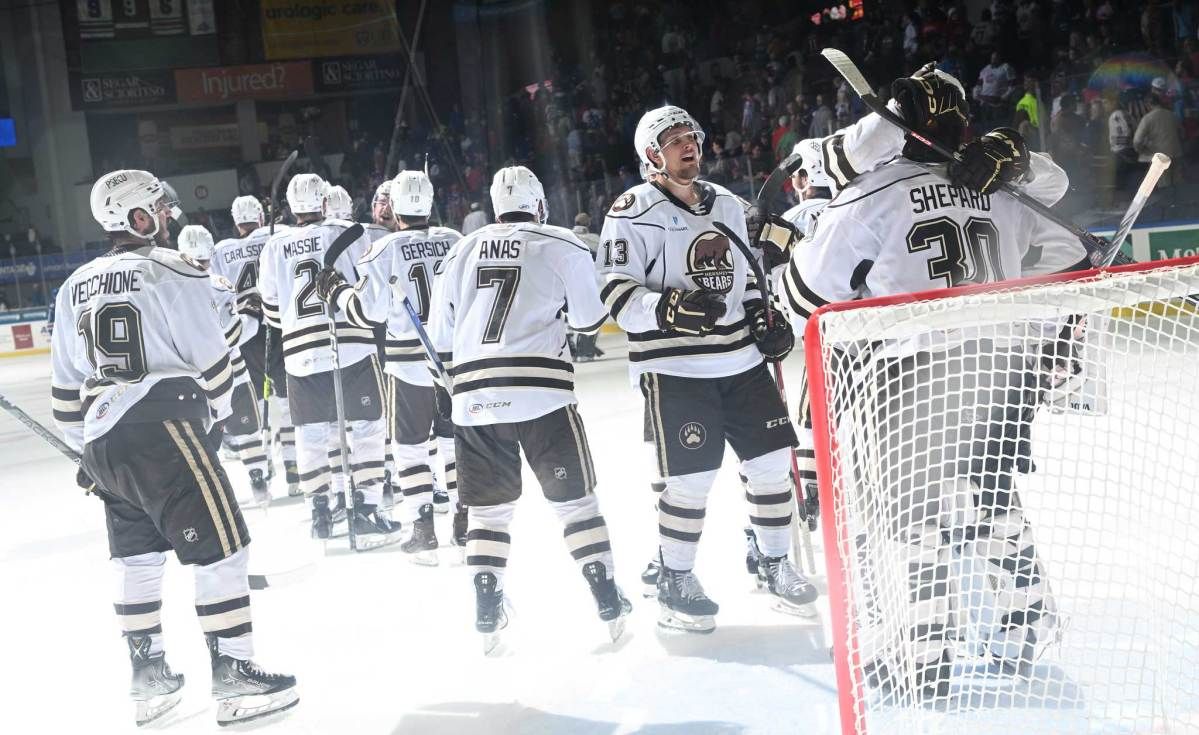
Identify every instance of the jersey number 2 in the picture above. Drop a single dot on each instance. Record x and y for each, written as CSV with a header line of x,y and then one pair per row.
x,y
306,302
505,279
115,334
968,254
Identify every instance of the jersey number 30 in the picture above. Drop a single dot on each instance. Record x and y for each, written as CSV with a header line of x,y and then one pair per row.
x,y
968,254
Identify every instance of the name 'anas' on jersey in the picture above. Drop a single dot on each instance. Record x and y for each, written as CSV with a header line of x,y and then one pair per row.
x,y
652,241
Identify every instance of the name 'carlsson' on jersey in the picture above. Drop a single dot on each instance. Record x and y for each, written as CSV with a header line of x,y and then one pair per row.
x,y
652,242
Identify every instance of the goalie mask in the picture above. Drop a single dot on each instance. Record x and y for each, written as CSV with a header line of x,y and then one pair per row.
x,y
650,129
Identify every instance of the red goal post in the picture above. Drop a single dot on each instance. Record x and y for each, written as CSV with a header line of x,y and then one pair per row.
x,y
1082,529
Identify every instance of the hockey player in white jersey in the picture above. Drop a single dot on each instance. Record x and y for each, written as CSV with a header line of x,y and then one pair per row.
x,y
381,214
135,394
291,262
697,338
904,227
812,184
402,265
243,426
500,311
236,258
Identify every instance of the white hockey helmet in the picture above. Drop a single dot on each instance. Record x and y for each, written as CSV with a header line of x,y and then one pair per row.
x,y
117,194
338,203
650,128
411,194
812,157
517,189
306,194
195,244
246,210
382,193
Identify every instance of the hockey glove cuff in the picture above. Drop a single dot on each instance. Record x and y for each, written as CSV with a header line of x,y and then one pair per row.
x,y
996,158
689,312
775,341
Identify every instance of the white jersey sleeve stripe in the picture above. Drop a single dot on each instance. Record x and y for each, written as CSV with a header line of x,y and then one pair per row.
x,y
801,299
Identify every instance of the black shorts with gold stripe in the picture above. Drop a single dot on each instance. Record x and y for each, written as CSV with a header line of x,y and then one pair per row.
x,y
488,458
165,489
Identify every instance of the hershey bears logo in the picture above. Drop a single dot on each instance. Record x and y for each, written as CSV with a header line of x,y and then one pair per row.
x,y
709,262
693,435
624,202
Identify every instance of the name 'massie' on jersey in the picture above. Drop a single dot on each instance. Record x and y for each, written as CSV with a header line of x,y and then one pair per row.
x,y
904,229
137,335
652,242
289,263
236,258
401,264
501,307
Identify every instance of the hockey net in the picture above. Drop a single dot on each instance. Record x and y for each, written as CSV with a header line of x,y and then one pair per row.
x,y
1009,480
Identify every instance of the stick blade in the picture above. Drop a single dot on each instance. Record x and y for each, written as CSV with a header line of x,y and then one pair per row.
x,y
846,68
343,241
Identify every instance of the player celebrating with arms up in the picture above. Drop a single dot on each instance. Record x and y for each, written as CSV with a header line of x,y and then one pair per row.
x,y
697,337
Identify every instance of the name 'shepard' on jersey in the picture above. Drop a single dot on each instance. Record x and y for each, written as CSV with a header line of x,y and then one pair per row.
x,y
117,351
501,309
401,265
651,242
290,263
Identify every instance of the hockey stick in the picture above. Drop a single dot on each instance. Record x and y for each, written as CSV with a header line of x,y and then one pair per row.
x,y
1157,167
804,527
257,581
268,436
425,341
343,241
1099,251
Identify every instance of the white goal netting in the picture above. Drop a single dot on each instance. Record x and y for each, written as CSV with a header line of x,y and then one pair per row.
x,y
1011,498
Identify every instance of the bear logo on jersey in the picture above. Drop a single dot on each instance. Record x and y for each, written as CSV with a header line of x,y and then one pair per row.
x,y
693,435
709,262
624,202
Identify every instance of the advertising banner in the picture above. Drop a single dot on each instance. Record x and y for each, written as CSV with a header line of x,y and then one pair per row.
x,y
300,29
252,82
114,89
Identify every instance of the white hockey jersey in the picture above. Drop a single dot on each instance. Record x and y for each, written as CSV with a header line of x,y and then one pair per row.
x,y
803,215
137,335
402,264
501,307
236,258
903,229
289,263
234,325
651,242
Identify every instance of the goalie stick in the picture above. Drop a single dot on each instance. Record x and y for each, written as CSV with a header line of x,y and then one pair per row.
x,y
1100,252
803,524
257,581
267,437
339,245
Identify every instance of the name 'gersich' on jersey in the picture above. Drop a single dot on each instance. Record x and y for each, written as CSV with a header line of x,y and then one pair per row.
x,y
652,242
290,263
904,228
401,264
236,258
137,334
500,288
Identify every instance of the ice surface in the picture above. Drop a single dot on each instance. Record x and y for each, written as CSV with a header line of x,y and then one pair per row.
x,y
381,645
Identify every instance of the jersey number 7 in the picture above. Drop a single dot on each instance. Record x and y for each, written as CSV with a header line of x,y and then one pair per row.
x,y
505,279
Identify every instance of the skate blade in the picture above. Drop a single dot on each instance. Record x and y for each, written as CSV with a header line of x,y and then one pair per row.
x,y
372,541
441,508
672,620
152,709
808,610
649,590
424,558
616,628
254,707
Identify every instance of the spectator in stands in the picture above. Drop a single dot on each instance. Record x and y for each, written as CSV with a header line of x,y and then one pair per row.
x,y
996,83
1160,132
474,219
822,119
1028,104
3,301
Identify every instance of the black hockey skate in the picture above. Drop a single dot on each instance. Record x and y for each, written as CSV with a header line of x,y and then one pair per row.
x,y
154,689
441,501
339,516
684,604
260,488
459,527
244,692
423,542
613,605
388,491
322,516
649,579
490,615
752,553
372,527
793,593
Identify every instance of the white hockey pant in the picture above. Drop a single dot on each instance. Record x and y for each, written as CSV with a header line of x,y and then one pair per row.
x,y
318,447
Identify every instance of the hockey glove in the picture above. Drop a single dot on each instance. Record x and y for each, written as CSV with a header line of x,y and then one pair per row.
x,y
329,283
1062,373
85,481
929,102
774,341
443,402
689,312
251,304
996,158
777,238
